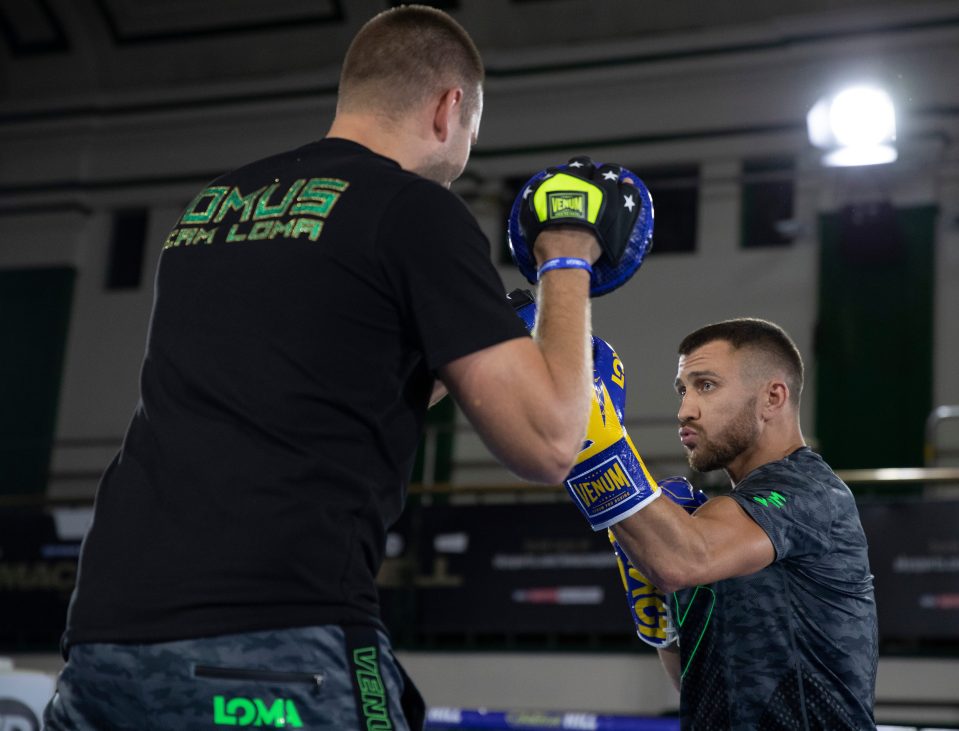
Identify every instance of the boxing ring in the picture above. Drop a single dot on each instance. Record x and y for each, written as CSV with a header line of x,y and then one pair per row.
x,y
443,719
447,719
43,610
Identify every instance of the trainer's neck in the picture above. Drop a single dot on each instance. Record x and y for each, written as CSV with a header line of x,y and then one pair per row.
x,y
395,139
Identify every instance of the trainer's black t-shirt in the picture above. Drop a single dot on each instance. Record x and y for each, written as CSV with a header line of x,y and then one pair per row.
x,y
303,304
794,646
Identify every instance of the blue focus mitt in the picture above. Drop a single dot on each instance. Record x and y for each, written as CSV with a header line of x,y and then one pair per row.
x,y
608,199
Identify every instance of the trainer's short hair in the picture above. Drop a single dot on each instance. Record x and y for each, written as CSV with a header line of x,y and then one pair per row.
x,y
770,342
403,56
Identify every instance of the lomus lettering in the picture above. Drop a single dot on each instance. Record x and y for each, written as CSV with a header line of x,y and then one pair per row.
x,y
273,211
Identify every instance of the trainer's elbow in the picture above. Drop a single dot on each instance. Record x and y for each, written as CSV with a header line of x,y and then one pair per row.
x,y
565,448
558,469
549,458
552,463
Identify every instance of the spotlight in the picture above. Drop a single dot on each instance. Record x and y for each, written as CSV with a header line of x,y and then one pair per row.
x,y
856,126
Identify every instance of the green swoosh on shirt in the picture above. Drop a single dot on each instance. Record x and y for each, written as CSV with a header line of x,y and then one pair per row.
x,y
681,619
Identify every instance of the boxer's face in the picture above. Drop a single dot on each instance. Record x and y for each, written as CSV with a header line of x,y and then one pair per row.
x,y
718,415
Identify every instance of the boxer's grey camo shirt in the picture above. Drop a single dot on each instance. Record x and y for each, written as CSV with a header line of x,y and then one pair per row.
x,y
793,646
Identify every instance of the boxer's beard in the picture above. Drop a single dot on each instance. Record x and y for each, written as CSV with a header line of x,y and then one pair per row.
x,y
738,436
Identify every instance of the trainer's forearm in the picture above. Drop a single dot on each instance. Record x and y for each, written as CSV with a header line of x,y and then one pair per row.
x,y
563,335
562,331
529,399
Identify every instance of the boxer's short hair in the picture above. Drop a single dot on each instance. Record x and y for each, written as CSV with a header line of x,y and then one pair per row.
x,y
771,343
405,55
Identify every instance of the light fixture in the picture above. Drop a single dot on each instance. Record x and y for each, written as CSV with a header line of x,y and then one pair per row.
x,y
856,126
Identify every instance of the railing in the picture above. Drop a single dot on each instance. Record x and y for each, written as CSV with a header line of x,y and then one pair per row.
x,y
85,478
882,477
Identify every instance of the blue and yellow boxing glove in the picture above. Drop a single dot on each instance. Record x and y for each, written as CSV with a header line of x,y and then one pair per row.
x,y
647,604
681,491
609,481
624,485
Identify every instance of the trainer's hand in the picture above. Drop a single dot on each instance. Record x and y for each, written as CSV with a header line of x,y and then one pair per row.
x,y
585,195
566,241
605,199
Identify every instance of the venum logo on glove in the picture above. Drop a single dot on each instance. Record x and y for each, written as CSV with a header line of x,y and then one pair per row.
x,y
609,482
611,485
603,487
566,205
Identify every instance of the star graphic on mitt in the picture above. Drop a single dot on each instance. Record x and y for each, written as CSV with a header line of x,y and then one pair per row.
x,y
629,203
611,175
527,192
576,164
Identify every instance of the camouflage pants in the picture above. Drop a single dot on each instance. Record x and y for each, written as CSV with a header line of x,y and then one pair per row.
x,y
310,678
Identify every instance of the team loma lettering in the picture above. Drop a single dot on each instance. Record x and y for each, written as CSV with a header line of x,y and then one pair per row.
x,y
372,692
611,481
280,713
264,214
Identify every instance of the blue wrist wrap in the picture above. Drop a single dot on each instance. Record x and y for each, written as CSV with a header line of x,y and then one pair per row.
x,y
563,262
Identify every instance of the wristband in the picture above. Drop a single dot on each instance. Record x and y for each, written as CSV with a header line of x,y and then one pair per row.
x,y
563,262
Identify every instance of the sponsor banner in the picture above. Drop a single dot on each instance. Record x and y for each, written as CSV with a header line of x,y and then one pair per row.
x,y
510,569
515,569
914,555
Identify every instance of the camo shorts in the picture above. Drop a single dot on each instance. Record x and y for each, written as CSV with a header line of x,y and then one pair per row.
x,y
329,677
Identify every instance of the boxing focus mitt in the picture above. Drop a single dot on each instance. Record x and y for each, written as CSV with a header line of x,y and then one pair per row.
x,y
607,199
